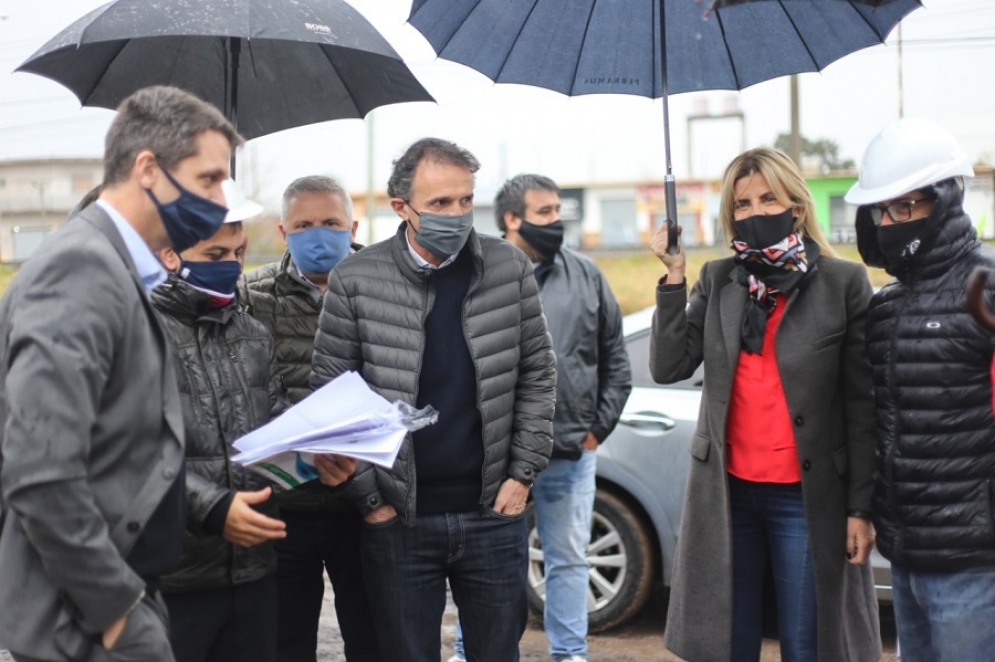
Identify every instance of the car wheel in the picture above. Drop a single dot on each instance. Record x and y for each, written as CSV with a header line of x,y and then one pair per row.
x,y
621,558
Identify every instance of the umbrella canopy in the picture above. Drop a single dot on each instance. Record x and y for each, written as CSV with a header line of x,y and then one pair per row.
x,y
267,65
649,47
719,4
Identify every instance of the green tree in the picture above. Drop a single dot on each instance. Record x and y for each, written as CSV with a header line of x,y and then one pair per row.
x,y
826,150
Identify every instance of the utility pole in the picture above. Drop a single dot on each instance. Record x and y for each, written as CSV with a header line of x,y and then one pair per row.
x,y
795,144
371,191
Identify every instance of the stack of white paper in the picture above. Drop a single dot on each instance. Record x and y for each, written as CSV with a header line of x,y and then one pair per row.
x,y
343,417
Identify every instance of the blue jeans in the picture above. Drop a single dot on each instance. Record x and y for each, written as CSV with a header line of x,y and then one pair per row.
x,y
769,519
945,616
564,500
483,555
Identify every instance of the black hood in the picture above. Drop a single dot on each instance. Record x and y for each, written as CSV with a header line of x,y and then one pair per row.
x,y
947,235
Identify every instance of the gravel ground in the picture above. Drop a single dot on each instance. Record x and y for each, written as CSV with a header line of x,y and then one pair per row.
x,y
640,640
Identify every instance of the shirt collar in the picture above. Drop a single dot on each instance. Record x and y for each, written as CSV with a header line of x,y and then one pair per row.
x,y
421,262
149,268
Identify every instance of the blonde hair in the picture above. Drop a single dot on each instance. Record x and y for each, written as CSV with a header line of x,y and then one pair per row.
x,y
787,185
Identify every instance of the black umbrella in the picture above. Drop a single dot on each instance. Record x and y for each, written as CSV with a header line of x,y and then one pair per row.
x,y
614,46
268,64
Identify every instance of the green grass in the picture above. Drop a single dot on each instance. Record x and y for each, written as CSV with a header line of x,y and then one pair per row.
x,y
633,276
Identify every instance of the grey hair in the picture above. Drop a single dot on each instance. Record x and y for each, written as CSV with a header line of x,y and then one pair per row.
x,y
164,120
430,149
316,184
511,197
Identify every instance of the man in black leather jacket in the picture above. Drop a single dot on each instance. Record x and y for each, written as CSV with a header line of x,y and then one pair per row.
x,y
223,598
932,506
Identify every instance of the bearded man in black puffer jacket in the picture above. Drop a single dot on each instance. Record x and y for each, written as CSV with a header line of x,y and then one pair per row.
x,y
933,495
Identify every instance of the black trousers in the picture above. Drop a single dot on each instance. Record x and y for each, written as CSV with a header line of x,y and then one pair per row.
x,y
317,542
226,624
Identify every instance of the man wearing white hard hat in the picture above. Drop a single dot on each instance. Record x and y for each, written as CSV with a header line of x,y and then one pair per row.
x,y
222,600
934,492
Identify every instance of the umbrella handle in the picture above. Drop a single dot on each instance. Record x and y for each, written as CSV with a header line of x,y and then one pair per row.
x,y
976,298
670,192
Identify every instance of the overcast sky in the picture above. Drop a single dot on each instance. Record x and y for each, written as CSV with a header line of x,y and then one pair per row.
x,y
948,51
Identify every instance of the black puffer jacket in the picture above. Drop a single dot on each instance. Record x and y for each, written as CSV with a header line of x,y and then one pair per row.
x,y
281,298
373,322
933,496
224,375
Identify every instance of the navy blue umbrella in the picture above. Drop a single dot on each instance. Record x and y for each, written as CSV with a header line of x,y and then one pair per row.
x,y
615,47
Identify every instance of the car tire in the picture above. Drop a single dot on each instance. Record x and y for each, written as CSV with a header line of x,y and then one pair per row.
x,y
620,582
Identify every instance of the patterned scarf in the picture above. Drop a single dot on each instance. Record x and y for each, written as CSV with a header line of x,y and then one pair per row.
x,y
766,272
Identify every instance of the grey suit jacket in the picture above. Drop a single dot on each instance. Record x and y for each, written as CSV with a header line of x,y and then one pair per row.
x,y
92,437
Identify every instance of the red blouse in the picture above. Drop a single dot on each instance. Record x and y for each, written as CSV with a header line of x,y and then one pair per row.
x,y
759,434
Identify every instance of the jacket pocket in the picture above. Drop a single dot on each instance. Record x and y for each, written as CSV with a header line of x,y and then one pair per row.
x,y
700,447
841,458
829,341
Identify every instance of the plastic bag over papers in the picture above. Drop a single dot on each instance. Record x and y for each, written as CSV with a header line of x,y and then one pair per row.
x,y
343,417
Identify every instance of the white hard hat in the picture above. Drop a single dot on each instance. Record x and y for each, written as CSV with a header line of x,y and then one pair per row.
x,y
908,155
240,208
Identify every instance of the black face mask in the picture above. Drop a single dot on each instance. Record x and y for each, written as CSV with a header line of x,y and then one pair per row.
x,y
545,239
762,231
900,241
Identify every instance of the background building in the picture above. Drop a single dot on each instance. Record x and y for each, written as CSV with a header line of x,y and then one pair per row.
x,y
36,195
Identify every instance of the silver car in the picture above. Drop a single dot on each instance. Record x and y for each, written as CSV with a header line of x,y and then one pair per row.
x,y
641,475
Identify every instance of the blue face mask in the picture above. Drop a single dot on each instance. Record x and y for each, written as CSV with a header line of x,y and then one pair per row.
x,y
220,278
317,250
189,219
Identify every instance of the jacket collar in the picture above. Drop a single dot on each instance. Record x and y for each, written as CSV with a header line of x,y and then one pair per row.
x,y
410,270
188,304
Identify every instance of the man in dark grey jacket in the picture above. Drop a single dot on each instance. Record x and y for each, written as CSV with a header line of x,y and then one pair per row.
x,y
323,528
592,386
93,505
441,316
223,598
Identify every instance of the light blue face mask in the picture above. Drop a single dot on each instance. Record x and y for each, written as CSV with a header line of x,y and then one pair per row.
x,y
443,235
317,250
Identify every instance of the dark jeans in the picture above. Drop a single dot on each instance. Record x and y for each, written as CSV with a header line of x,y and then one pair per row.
x,y
229,624
317,542
484,557
769,519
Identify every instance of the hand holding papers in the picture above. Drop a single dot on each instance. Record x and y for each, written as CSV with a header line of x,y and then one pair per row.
x,y
343,417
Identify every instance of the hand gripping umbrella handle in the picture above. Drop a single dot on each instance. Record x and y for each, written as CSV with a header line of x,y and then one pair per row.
x,y
670,191
976,298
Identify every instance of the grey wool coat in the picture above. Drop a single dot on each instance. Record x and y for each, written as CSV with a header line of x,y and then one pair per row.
x,y
823,366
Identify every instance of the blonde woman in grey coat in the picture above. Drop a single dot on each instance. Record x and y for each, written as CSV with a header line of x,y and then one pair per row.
x,y
783,455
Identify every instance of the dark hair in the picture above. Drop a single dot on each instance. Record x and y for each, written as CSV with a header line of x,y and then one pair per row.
x,y
511,197
164,120
426,149
316,184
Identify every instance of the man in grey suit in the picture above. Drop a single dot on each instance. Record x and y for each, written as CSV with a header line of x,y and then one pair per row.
x,y
91,453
